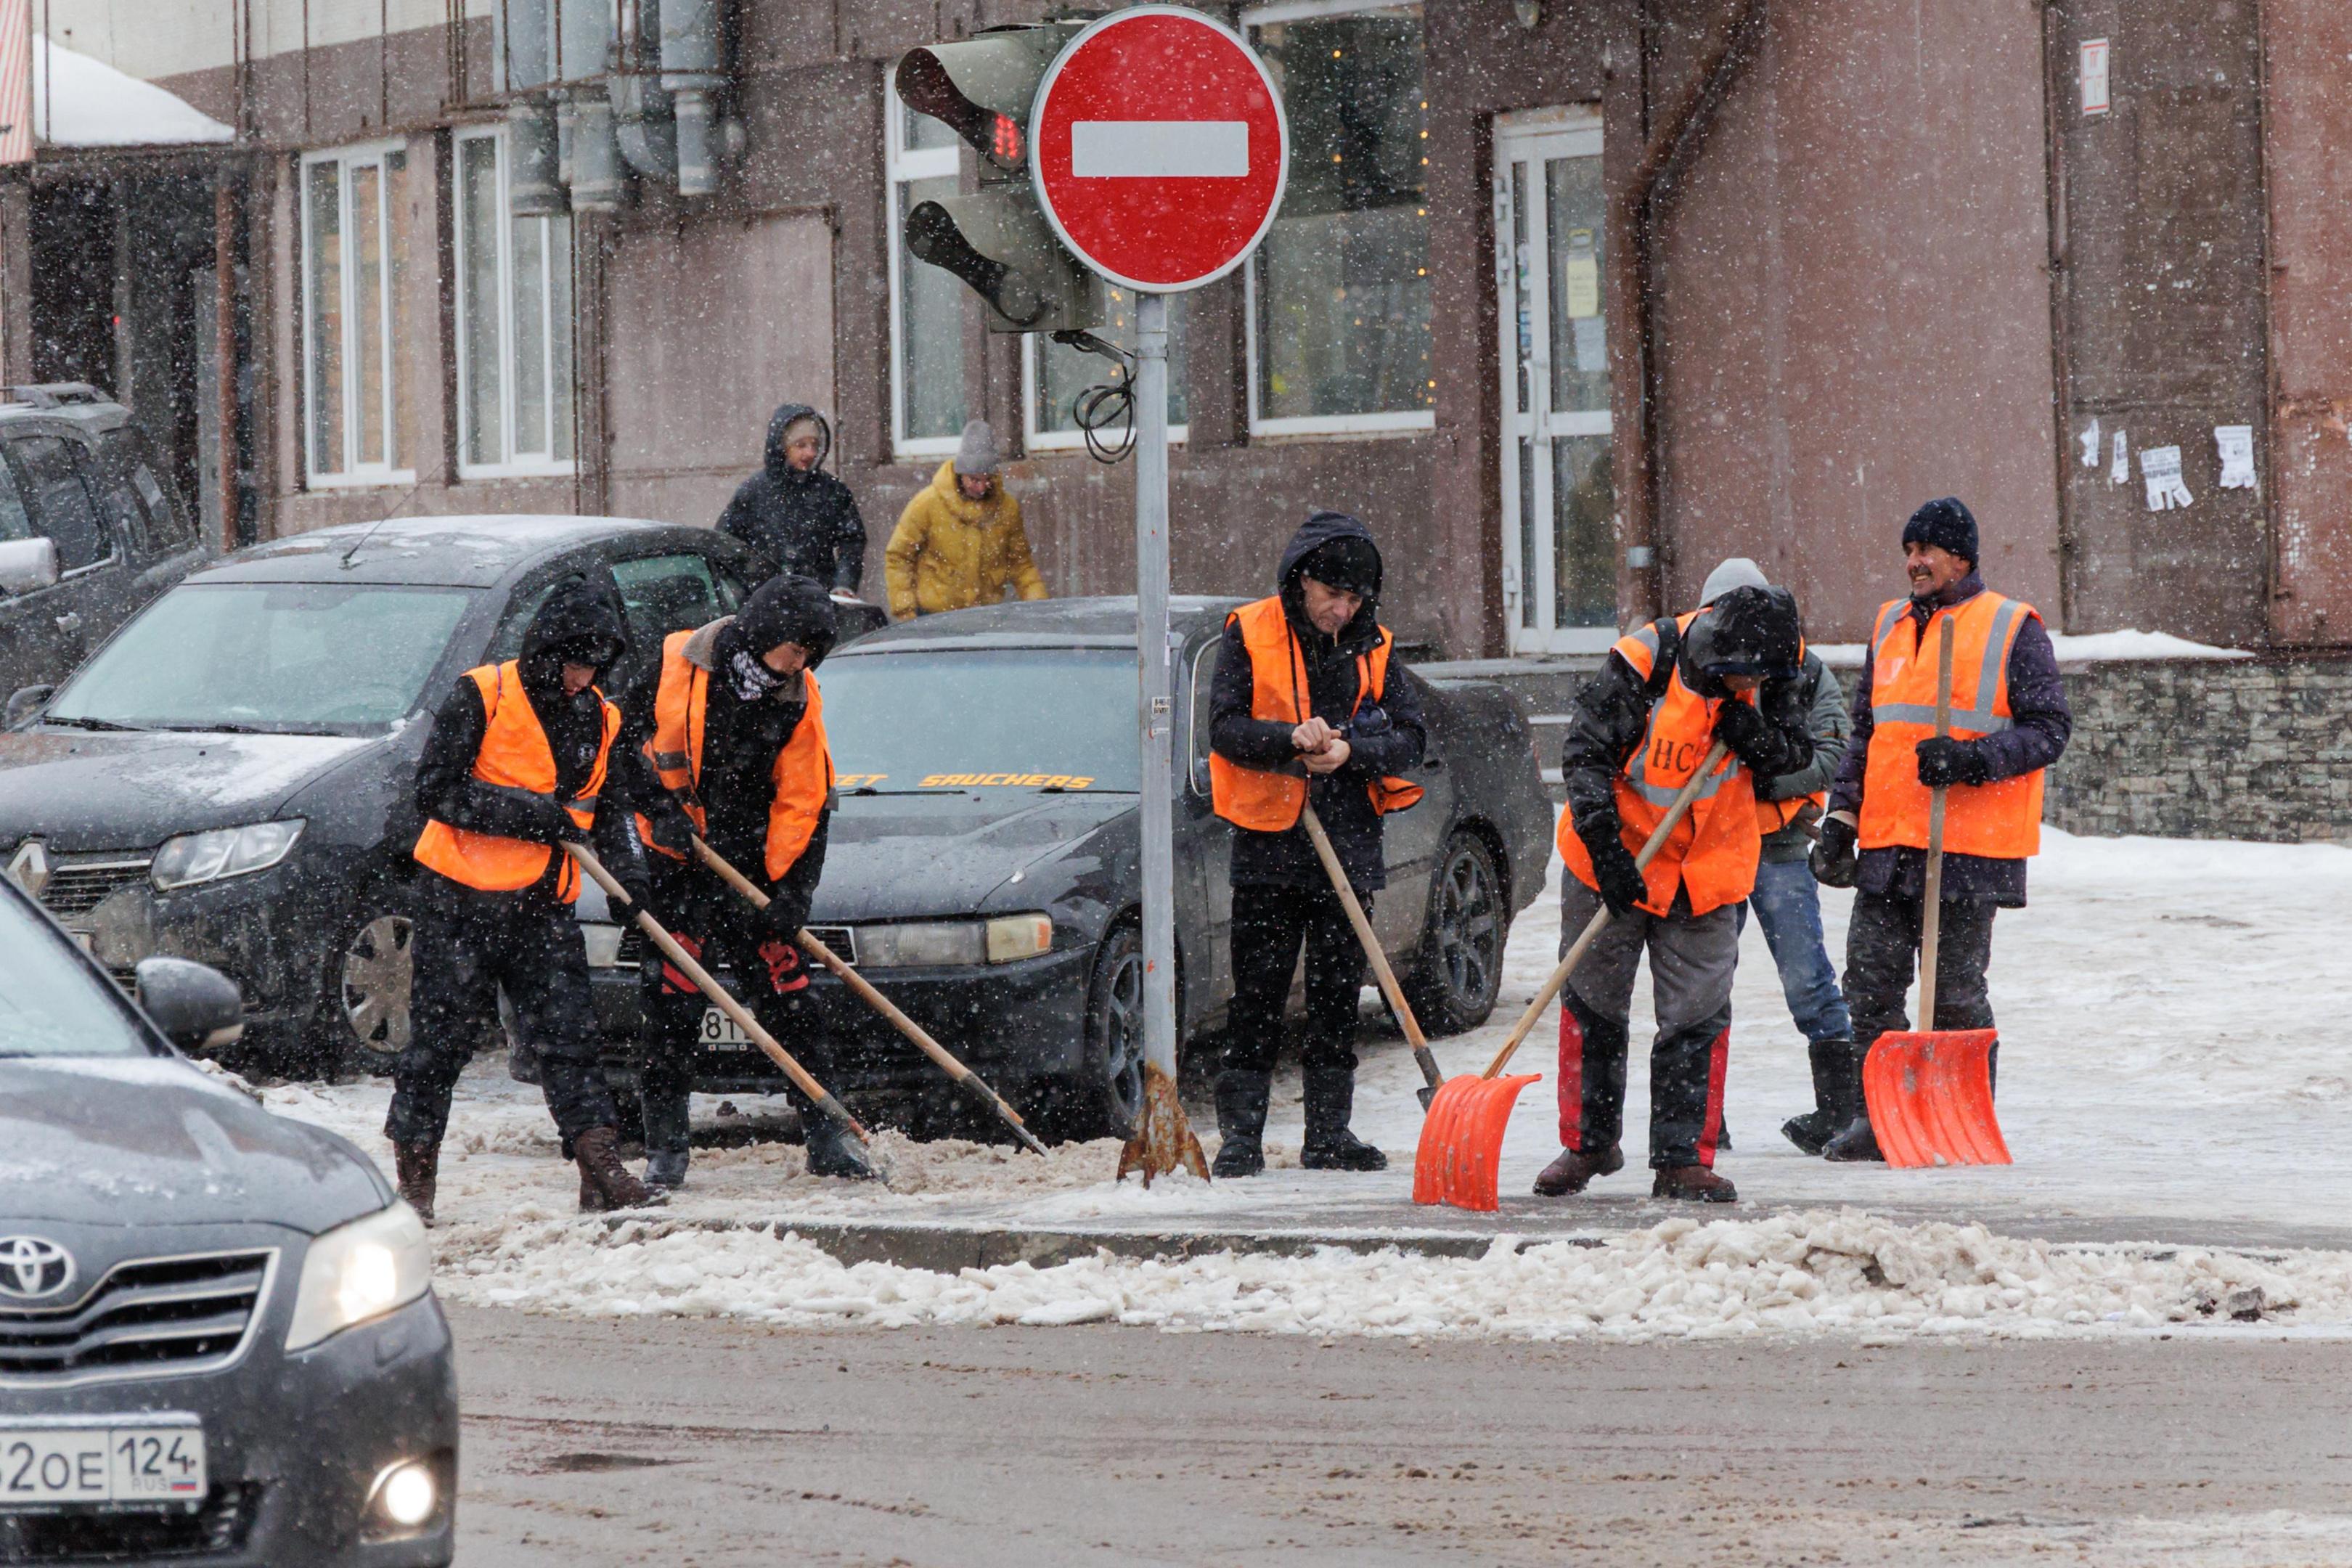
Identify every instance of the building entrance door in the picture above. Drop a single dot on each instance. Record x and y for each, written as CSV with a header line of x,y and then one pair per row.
x,y
1559,563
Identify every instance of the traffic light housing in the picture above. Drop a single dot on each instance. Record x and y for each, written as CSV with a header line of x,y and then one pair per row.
x,y
997,241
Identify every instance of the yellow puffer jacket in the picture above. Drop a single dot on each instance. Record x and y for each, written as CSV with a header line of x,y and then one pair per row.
x,y
950,554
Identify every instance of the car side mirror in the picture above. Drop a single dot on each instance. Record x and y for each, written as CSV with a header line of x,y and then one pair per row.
x,y
23,703
194,1006
26,564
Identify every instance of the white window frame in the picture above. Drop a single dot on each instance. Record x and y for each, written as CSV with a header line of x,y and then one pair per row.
x,y
901,166
527,465
352,475
1033,439
1398,422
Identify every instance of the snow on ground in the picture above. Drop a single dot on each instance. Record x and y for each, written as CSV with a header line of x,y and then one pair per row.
x,y
2175,1062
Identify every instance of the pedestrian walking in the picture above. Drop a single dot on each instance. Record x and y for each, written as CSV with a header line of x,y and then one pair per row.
x,y
735,738
2009,722
1637,732
796,519
960,543
1303,709
519,764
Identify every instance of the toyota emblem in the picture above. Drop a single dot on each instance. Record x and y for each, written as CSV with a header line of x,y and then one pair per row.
x,y
33,1267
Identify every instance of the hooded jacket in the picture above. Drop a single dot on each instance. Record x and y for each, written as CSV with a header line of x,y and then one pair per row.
x,y
796,523
949,552
1386,739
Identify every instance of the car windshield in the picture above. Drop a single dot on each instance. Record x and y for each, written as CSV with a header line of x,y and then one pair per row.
x,y
51,1006
983,719
318,659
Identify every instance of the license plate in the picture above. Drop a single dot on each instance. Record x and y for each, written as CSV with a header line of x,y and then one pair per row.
x,y
721,1033
108,1467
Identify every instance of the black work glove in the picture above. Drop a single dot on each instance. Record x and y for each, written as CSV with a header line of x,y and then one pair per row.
x,y
1748,734
672,829
1834,859
562,828
641,898
1613,871
785,915
1944,760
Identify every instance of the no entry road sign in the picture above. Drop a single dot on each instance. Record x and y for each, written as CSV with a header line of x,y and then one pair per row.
x,y
1157,148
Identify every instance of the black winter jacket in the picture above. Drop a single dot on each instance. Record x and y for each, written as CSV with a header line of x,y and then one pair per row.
x,y
806,524
1387,738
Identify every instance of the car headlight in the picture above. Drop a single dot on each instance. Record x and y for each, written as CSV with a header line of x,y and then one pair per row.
x,y
359,1271
937,943
193,858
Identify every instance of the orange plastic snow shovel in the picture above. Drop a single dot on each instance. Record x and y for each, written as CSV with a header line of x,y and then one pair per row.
x,y
1461,1154
1930,1091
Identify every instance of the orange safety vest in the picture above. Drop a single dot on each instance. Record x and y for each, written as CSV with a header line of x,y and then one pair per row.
x,y
1267,802
2002,820
1714,850
515,755
1771,816
803,768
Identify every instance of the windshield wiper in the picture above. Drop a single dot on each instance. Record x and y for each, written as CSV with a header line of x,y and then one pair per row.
x,y
78,721
224,728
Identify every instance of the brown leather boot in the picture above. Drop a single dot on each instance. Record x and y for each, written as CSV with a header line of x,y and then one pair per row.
x,y
1695,1183
416,1169
605,1183
1575,1169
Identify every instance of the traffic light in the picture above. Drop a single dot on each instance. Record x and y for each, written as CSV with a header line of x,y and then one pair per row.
x,y
997,241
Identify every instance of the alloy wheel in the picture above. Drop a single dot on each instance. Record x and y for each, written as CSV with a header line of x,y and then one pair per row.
x,y
377,976
1468,927
1123,1027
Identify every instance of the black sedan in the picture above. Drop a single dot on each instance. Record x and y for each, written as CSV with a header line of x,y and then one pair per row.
x,y
983,866
217,1335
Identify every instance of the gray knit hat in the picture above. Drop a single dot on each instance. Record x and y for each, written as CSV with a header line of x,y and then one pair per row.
x,y
977,454
1736,572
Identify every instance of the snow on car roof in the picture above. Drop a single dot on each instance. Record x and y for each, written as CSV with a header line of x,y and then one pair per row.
x,y
458,551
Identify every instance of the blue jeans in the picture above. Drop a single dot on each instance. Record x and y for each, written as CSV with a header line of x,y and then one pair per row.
x,y
1788,905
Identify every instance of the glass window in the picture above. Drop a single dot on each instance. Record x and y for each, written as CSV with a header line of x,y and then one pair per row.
x,y
516,408
128,462
1342,282
54,476
356,236
1019,718
50,1005
927,304
665,594
15,522
1059,373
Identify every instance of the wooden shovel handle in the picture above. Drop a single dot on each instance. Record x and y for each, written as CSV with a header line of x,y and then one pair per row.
x,y
1371,944
1931,906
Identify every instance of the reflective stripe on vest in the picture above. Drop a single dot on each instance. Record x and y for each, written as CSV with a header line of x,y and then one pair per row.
x,y
1713,852
515,754
2002,820
802,771
1266,802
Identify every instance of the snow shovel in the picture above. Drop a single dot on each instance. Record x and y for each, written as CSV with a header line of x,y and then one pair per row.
x,y
1460,1158
1379,960
1930,1091
969,1080
719,996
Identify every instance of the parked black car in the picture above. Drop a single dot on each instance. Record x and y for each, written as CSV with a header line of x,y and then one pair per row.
x,y
217,1335
76,471
230,779
982,866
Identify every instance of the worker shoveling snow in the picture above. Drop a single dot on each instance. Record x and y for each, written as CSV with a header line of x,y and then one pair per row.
x,y
1821,1271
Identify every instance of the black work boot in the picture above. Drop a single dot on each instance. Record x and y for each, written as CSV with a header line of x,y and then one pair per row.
x,y
1812,1132
834,1151
417,1168
669,1128
1697,1183
666,1168
1575,1168
1854,1142
1329,1146
1241,1122
605,1183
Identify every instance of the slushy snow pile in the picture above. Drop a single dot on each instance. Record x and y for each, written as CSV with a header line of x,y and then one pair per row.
x,y
1822,1270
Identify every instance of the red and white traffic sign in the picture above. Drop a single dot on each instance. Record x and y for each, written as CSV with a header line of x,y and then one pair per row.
x,y
1157,148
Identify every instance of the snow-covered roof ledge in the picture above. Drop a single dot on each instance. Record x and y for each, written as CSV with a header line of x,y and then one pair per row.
x,y
94,105
2081,649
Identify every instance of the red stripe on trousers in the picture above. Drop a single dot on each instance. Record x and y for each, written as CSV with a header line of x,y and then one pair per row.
x,y
1571,1080
1719,1060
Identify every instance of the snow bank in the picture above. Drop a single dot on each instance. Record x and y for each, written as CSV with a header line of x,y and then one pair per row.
x,y
2123,645
97,106
1843,1272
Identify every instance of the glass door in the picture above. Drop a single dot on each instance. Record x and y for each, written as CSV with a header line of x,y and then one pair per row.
x,y
1559,558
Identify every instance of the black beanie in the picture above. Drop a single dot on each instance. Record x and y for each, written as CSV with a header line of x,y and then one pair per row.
x,y
1349,564
1947,523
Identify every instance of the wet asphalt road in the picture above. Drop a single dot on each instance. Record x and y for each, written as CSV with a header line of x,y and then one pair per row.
x,y
697,1442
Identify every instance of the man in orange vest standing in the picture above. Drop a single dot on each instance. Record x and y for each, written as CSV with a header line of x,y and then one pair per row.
x,y
736,741
2009,722
520,762
1637,732
1305,707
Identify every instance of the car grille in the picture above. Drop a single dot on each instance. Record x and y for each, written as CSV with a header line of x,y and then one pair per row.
x,y
219,1525
77,889
157,1315
839,939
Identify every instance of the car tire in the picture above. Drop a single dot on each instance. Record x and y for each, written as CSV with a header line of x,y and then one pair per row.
x,y
362,1021
1454,986
1105,1096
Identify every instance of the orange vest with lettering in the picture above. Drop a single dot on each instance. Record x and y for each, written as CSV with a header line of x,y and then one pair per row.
x,y
802,772
515,754
2002,820
1267,802
1714,850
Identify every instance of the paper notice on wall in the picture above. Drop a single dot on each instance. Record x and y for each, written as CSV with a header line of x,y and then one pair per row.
x,y
2160,470
2236,444
2091,445
2096,55
2119,471
1581,275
